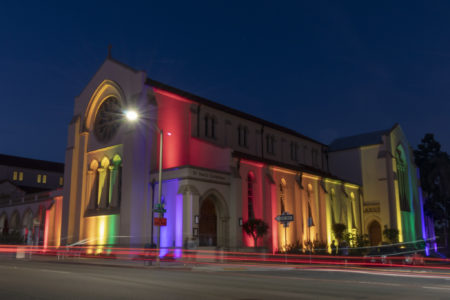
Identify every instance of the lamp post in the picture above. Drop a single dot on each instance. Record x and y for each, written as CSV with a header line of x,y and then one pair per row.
x,y
133,116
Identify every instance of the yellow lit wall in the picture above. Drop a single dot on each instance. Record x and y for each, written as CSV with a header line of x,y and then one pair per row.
x,y
100,231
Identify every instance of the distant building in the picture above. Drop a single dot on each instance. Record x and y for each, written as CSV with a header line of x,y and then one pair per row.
x,y
28,189
382,162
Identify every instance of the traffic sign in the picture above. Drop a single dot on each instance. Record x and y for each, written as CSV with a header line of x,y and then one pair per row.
x,y
285,218
160,221
159,208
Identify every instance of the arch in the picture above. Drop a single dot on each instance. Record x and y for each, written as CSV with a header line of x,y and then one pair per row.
x,y
332,205
353,209
105,90
219,212
104,162
402,178
374,230
93,165
14,225
116,160
283,195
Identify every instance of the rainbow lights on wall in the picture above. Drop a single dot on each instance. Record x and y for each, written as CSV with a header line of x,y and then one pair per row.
x,y
100,231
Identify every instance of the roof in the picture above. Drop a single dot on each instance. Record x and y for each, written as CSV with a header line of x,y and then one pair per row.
x,y
356,141
218,106
29,163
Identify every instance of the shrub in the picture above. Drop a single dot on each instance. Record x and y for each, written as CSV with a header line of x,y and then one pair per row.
x,y
256,228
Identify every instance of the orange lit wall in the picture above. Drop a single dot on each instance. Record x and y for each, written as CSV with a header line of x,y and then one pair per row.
x,y
52,232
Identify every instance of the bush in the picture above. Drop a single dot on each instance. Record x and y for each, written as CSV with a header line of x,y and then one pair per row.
x,y
391,234
338,230
320,247
293,248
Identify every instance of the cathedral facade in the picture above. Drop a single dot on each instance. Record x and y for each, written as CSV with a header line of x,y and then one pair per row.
x,y
220,168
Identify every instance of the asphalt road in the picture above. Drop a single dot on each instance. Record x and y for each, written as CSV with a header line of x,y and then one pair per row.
x,y
51,280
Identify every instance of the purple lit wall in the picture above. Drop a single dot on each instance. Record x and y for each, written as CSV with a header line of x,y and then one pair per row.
x,y
172,234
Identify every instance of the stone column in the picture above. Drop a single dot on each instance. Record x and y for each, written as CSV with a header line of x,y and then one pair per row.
x,y
190,208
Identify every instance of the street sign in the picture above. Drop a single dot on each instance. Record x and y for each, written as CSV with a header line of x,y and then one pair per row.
x,y
159,208
285,218
160,221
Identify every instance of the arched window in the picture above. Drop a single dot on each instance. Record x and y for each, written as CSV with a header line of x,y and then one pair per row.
x,y
353,208
92,180
402,175
250,196
283,195
332,205
310,215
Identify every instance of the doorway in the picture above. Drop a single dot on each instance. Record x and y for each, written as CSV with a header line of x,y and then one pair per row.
x,y
208,224
375,233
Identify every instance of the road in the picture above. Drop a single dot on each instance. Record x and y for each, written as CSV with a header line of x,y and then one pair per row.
x,y
22,279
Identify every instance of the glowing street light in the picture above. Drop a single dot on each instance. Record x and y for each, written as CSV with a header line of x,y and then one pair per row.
x,y
133,116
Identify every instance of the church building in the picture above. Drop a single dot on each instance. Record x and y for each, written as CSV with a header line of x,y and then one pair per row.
x,y
220,168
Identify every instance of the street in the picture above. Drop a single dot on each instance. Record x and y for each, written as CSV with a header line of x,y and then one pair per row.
x,y
24,279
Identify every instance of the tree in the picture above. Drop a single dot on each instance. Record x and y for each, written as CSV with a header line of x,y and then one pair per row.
x,y
434,166
338,230
256,228
391,234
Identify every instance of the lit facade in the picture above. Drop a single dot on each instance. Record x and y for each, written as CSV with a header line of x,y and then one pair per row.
x,y
383,163
220,168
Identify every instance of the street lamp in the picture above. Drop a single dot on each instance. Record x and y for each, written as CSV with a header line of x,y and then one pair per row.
x,y
133,116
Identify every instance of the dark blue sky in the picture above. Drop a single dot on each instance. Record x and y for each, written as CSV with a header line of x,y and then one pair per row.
x,y
324,69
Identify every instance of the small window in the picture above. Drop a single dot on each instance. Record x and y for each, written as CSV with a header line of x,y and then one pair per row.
x,y
210,126
242,136
294,151
270,144
61,181
44,178
20,176
15,175
39,178
315,156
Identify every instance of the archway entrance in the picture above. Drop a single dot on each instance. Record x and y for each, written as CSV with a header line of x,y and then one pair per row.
x,y
375,233
208,223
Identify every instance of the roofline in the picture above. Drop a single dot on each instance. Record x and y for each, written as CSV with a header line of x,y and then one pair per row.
x,y
352,148
204,101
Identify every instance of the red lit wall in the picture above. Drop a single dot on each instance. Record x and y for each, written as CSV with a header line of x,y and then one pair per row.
x,y
173,119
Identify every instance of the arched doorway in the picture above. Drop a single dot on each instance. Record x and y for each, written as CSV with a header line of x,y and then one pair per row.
x,y
375,233
208,223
